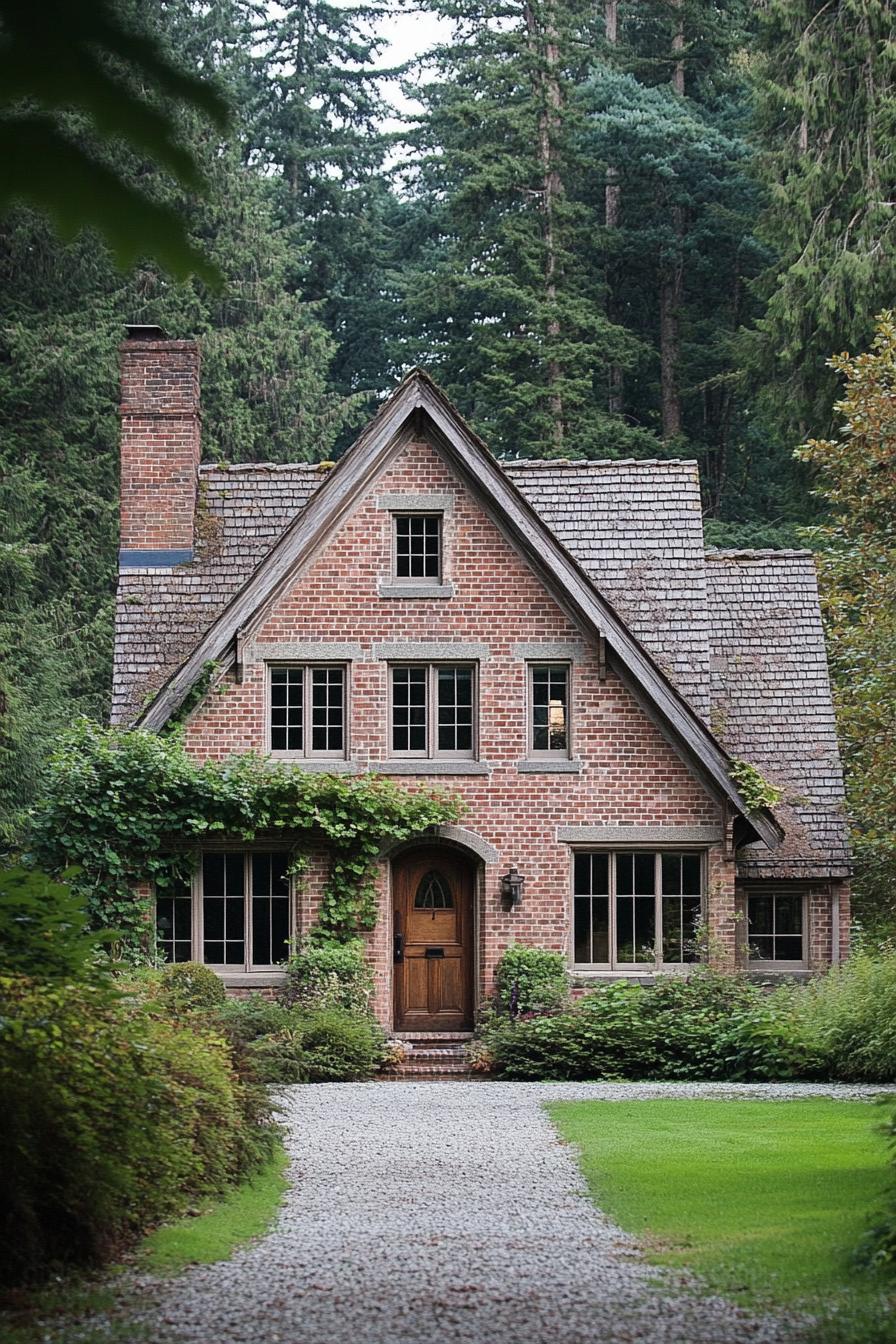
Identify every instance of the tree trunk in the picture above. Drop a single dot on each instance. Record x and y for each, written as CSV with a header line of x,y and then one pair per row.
x,y
672,277
547,53
670,298
612,213
678,47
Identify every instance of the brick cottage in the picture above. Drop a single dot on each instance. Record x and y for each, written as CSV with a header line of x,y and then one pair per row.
x,y
549,640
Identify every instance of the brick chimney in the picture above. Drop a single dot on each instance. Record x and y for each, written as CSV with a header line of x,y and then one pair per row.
x,y
159,448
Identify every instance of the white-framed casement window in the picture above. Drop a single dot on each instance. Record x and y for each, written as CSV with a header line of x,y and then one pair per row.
x,y
417,547
776,929
235,917
432,710
548,713
636,908
307,710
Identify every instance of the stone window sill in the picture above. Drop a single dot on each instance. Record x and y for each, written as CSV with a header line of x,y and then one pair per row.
x,y
252,979
416,590
423,767
548,767
316,765
581,976
763,968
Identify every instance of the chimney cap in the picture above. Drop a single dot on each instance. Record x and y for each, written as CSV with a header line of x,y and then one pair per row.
x,y
138,332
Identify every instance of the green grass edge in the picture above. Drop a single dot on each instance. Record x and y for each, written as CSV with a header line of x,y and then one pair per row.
x,y
56,1313
221,1226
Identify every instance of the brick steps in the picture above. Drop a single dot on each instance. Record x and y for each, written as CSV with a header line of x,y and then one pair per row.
x,y
434,1056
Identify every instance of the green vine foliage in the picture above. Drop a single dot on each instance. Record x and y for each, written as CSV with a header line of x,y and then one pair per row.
x,y
753,787
130,807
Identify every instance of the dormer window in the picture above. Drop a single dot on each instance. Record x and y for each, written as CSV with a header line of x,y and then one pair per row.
x,y
418,547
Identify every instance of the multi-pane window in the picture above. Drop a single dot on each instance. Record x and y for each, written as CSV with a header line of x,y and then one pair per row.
x,y
775,926
418,546
432,712
174,923
307,710
635,908
241,918
549,709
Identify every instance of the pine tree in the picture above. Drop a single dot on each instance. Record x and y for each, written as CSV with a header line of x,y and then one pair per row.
x,y
666,113
824,125
315,121
500,300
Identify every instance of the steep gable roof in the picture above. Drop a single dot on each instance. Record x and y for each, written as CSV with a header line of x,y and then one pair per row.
x,y
772,703
636,528
419,405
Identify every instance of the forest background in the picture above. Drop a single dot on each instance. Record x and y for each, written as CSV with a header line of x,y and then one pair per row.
x,y
621,228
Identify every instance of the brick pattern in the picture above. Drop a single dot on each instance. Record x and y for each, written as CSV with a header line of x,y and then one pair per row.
x,y
630,775
159,444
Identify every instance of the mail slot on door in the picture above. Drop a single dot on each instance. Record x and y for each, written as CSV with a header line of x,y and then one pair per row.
x,y
435,952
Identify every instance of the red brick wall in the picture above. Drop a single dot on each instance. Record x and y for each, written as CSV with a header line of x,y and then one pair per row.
x,y
631,774
159,443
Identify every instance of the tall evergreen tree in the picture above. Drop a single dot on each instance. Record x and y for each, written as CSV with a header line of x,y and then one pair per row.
x,y
315,121
666,112
500,298
826,104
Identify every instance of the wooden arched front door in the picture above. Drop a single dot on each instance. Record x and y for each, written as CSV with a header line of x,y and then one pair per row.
x,y
433,935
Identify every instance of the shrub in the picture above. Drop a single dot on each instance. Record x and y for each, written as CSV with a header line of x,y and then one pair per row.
x,y
329,975
531,980
341,1046
245,1020
190,985
114,1117
848,1018
705,1027
327,1045
43,927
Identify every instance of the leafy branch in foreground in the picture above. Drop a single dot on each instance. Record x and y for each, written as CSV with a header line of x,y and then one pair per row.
x,y
57,58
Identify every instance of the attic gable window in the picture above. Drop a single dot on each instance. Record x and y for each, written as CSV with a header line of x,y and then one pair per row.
x,y
306,714
418,546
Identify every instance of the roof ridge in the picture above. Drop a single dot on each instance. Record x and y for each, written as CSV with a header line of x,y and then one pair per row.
x,y
597,462
230,467
755,553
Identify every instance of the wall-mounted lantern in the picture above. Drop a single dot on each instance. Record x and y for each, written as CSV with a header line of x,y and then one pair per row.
x,y
511,889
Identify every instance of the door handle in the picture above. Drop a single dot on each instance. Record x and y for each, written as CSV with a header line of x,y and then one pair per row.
x,y
398,947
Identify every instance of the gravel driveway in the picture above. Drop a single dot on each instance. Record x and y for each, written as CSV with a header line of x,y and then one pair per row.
x,y
430,1211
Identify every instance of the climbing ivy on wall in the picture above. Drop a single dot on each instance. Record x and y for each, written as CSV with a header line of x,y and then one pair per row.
x,y
130,807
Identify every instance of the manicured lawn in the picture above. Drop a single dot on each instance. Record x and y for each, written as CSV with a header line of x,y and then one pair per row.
x,y
215,1233
765,1200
